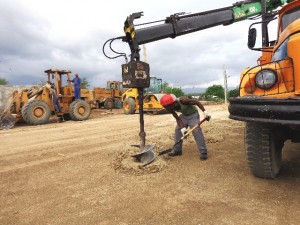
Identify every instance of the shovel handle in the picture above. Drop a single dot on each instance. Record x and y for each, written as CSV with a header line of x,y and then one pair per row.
x,y
193,128
165,151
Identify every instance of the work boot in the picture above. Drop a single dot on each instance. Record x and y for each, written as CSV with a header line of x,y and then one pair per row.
x,y
175,153
203,156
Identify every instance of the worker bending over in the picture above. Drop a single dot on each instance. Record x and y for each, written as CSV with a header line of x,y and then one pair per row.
x,y
189,117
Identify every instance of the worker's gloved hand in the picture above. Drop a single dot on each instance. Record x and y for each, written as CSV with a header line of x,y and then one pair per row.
x,y
206,115
183,131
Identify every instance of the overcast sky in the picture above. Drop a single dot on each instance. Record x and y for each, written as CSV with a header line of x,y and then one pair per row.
x,y
38,35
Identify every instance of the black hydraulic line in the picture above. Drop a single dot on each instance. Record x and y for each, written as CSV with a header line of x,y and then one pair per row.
x,y
119,54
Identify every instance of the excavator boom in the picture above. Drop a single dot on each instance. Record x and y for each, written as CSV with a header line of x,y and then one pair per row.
x,y
181,23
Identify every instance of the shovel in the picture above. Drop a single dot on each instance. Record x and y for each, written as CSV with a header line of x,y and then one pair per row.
x,y
184,136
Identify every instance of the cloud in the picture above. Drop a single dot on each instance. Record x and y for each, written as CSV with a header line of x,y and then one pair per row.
x,y
40,35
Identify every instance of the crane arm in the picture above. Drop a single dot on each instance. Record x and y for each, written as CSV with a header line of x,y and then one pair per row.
x,y
181,23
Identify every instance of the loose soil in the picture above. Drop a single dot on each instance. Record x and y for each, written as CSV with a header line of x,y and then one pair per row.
x,y
83,173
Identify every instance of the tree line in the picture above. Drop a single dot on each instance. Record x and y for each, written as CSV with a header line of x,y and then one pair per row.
x,y
3,81
214,92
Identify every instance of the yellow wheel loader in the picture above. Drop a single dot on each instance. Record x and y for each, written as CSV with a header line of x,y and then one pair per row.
x,y
56,97
152,97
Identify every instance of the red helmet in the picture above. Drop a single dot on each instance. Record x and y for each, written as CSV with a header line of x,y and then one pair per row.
x,y
167,99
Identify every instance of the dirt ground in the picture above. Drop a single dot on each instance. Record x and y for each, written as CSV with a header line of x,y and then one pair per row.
x,y
83,173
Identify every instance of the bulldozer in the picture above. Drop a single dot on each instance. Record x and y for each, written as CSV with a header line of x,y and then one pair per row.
x,y
152,96
36,105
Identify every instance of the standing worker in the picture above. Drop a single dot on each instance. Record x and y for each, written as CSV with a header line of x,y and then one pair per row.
x,y
77,85
189,117
51,88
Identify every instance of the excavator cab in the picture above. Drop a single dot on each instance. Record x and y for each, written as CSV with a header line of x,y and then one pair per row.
x,y
155,86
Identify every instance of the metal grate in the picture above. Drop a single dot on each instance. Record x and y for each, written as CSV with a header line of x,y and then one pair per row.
x,y
285,79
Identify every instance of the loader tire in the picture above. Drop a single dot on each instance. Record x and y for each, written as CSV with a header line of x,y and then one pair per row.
x,y
36,112
79,110
263,150
108,103
129,106
118,103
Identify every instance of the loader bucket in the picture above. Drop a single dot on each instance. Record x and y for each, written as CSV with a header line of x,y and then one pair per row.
x,y
7,121
146,155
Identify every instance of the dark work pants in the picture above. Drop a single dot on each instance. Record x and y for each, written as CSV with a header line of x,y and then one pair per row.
x,y
77,92
191,121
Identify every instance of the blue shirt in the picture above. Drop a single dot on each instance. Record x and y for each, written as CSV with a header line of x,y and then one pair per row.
x,y
77,82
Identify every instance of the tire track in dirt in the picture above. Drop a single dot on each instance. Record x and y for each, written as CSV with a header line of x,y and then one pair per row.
x,y
73,139
70,139
74,177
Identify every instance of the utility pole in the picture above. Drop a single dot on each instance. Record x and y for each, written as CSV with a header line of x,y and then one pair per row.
x,y
225,83
145,53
